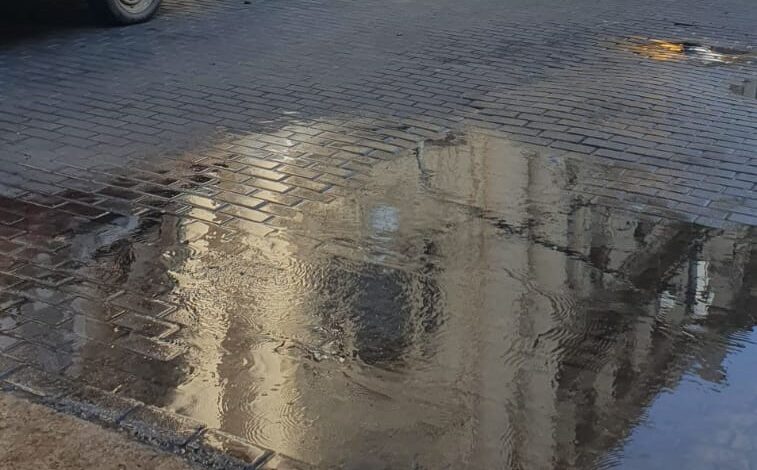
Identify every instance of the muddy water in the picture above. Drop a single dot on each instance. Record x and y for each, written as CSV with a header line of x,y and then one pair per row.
x,y
466,309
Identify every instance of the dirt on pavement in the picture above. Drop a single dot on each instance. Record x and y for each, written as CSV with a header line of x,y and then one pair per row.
x,y
36,437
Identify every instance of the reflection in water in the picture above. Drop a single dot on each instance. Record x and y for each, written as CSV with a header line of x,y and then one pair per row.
x,y
746,88
464,310
674,51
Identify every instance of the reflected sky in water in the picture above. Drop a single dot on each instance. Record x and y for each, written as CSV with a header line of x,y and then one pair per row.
x,y
700,423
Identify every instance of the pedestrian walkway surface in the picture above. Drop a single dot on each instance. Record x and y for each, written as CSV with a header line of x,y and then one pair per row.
x,y
35,438
387,234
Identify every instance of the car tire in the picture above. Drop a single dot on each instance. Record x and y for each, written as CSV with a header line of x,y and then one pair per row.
x,y
123,12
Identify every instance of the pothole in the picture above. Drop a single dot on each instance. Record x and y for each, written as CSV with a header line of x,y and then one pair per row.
x,y
746,88
664,50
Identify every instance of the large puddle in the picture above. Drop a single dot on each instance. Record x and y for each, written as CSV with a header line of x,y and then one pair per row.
x,y
464,310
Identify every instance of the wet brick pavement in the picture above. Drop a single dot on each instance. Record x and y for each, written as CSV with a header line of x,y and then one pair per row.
x,y
83,103
80,102
238,119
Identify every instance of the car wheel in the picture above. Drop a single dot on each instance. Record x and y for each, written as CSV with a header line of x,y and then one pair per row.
x,y
125,11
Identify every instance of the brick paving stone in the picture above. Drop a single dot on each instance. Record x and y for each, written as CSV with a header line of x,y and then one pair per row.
x,y
261,183
227,451
140,304
246,213
42,333
160,426
248,228
282,462
311,195
145,325
40,356
7,365
263,173
7,342
150,347
749,219
306,183
95,404
38,383
286,199
202,202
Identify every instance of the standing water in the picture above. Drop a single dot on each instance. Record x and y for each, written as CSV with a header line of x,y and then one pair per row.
x,y
466,309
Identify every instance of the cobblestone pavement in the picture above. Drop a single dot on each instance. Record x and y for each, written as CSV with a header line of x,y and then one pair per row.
x,y
143,170
298,79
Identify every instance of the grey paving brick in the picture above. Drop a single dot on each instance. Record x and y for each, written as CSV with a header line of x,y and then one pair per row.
x,y
604,144
288,199
150,347
749,219
95,404
8,364
145,325
37,382
226,451
141,304
307,183
562,136
161,427
246,213
263,173
7,342
40,356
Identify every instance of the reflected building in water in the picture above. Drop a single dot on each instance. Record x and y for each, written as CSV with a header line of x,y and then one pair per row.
x,y
548,325
464,309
